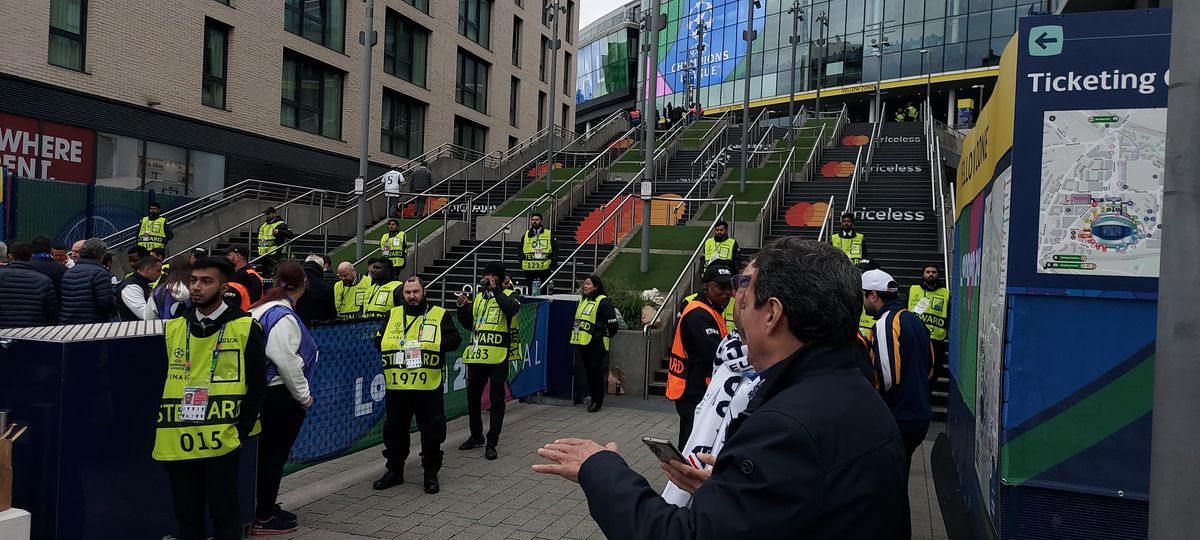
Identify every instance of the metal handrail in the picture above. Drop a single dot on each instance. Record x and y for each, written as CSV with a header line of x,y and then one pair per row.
x,y
770,205
852,195
189,204
826,221
712,141
319,225
573,256
674,291
415,228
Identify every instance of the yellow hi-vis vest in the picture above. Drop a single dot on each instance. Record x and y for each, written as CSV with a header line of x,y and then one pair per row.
x,y
402,331
349,300
267,244
933,307
153,233
392,247
166,269
865,324
381,299
727,314
491,335
515,352
216,435
718,251
537,252
585,320
852,247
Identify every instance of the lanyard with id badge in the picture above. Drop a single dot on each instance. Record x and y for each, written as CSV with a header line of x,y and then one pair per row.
x,y
195,398
412,351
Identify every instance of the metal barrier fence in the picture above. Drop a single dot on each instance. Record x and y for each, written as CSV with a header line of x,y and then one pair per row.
x,y
71,211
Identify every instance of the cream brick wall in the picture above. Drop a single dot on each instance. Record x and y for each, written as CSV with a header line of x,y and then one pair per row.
x,y
140,52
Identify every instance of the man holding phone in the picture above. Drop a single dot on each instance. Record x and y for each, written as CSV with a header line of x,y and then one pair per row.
x,y
816,452
489,316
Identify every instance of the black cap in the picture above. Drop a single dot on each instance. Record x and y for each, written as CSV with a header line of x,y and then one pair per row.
x,y
238,248
199,252
718,273
270,210
494,269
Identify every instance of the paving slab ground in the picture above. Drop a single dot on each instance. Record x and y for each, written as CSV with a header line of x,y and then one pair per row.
x,y
504,499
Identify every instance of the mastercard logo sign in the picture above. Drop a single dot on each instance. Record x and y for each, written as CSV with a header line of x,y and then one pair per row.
x,y
855,140
837,169
806,214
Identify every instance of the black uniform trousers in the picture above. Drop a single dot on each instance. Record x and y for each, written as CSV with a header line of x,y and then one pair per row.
x,y
210,483
478,375
686,407
590,374
430,409
281,419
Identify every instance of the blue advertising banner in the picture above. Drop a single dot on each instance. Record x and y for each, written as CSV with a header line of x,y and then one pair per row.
x,y
1091,113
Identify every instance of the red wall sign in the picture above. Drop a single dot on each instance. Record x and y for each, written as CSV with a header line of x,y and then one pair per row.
x,y
30,148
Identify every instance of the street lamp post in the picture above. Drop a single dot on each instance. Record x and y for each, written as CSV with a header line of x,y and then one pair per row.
x,y
797,16
928,96
749,35
554,7
700,28
655,22
822,35
367,38
879,44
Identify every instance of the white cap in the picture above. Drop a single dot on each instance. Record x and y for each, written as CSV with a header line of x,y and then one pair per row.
x,y
879,281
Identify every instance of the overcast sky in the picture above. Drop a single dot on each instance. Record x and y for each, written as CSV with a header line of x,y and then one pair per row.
x,y
590,10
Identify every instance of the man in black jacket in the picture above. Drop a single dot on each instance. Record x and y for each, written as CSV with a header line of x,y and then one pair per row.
x,y
316,304
43,261
26,296
133,293
815,455
87,288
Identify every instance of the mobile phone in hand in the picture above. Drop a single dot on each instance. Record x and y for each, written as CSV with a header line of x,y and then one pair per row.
x,y
665,450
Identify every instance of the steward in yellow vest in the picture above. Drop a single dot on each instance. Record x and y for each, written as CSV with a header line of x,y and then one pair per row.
x,y
271,234
595,323
931,302
849,241
214,389
721,247
537,255
154,232
383,292
414,342
489,316
393,246
350,292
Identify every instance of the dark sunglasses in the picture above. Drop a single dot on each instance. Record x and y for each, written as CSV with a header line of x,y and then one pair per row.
x,y
740,282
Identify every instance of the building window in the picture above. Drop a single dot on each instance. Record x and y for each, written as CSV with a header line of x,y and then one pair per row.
x,y
514,88
541,110
402,126
471,86
475,20
216,63
68,33
513,142
319,21
312,96
570,17
566,113
516,44
545,14
566,74
129,163
405,49
422,5
545,55
468,134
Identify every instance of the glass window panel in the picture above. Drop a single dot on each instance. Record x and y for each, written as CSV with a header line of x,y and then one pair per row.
x,y
166,168
977,53
1004,22
910,64
207,173
980,5
956,7
893,12
956,29
837,18
934,32
979,26
67,15
913,36
891,66
66,52
855,15
935,9
118,161
331,109
914,10
955,57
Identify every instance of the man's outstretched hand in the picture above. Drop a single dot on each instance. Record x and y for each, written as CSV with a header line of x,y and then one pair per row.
x,y
568,456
